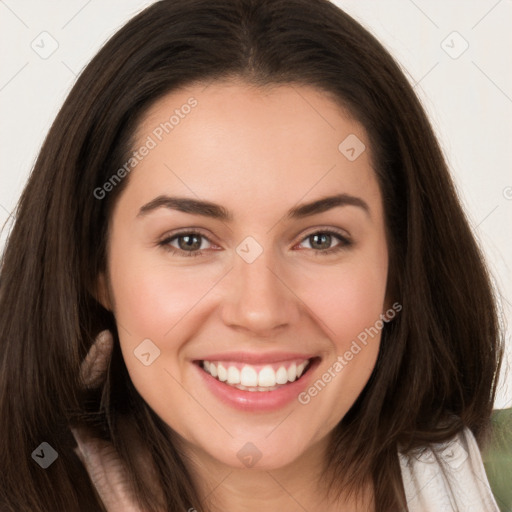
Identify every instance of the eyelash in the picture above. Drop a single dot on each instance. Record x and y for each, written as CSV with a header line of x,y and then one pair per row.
x,y
344,243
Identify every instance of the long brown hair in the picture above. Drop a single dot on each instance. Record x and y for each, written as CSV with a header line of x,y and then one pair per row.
x,y
438,362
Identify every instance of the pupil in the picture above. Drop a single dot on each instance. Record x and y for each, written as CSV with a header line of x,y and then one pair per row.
x,y
188,243
321,241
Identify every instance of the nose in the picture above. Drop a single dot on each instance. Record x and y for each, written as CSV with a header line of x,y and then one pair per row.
x,y
258,298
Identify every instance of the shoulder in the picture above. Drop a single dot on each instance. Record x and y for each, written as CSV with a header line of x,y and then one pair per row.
x,y
447,477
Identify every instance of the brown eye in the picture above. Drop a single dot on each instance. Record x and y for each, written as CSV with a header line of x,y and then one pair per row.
x,y
320,241
186,243
189,242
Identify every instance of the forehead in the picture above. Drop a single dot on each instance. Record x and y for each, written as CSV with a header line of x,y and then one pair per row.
x,y
239,144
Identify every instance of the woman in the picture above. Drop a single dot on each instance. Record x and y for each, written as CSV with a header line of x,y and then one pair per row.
x,y
332,342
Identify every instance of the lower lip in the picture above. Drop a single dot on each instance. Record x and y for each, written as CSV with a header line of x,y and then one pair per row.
x,y
258,401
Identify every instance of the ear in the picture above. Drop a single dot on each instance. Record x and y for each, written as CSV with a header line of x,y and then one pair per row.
x,y
102,291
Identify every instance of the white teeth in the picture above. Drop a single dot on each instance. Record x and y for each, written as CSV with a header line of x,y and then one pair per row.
x,y
223,373
300,368
267,377
233,375
281,375
292,372
248,379
248,376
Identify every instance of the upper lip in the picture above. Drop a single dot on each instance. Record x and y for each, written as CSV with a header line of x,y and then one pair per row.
x,y
256,358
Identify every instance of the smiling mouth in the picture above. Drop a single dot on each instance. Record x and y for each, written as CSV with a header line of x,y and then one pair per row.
x,y
247,377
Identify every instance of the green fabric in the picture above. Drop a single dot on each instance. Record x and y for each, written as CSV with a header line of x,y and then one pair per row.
x,y
497,458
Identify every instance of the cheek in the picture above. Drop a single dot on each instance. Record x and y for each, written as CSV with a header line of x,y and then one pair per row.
x,y
347,299
348,303
355,306
151,299
156,302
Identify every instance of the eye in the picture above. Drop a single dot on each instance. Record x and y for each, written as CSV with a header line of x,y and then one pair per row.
x,y
192,243
186,243
321,242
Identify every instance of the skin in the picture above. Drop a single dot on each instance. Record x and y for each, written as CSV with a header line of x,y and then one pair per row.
x,y
258,153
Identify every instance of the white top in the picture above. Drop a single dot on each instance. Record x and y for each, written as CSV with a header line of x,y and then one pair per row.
x,y
447,477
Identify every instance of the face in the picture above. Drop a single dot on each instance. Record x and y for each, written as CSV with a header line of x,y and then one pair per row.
x,y
247,269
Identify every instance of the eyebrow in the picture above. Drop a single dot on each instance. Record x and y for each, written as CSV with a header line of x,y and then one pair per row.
x,y
215,211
